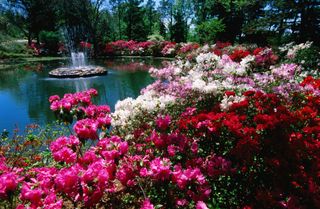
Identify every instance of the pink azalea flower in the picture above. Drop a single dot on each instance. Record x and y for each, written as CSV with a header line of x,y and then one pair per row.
x,y
201,205
8,183
50,202
163,122
53,98
160,169
65,154
92,92
147,204
67,180
86,129
104,120
32,195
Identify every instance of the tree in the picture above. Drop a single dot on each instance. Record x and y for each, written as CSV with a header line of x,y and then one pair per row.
x,y
136,27
117,6
179,27
81,19
32,16
309,28
93,13
208,30
167,11
150,15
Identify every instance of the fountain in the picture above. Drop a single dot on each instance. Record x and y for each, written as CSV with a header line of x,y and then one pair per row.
x,y
78,68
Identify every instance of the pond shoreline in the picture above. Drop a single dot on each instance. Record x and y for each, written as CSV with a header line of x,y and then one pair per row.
x,y
137,57
25,88
9,62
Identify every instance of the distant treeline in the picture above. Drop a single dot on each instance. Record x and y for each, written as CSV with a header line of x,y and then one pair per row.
x,y
265,22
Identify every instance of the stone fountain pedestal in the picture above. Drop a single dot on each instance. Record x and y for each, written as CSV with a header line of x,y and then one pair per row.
x,y
83,71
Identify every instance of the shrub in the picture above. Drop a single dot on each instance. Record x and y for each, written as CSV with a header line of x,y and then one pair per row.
x,y
51,40
155,37
309,58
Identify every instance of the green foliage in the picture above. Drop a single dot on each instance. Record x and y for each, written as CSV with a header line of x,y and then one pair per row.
x,y
13,48
179,27
136,27
30,148
8,29
309,58
208,31
245,21
51,40
155,37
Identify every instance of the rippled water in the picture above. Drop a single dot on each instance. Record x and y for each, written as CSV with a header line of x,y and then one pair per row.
x,y
25,89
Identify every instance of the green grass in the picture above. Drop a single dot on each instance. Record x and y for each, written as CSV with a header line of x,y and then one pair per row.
x,y
16,60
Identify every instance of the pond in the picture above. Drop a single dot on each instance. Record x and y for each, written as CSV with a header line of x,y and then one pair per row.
x,y
25,88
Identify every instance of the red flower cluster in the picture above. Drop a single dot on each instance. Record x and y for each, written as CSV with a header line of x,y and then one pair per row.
x,y
272,145
264,57
219,48
85,45
238,54
188,48
309,80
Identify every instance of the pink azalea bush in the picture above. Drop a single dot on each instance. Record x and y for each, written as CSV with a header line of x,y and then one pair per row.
x,y
131,47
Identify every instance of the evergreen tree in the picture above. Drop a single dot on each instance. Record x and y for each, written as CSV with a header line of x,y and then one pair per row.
x,y
150,15
179,27
117,6
136,27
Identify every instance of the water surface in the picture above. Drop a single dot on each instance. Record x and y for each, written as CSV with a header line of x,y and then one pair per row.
x,y
25,89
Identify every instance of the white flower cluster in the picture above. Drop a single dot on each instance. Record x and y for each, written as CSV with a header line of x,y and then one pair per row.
x,y
128,108
207,58
247,62
292,49
227,101
170,51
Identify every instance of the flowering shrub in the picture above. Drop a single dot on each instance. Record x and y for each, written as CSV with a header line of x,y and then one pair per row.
x,y
187,48
131,47
291,49
85,45
210,132
35,48
168,49
148,48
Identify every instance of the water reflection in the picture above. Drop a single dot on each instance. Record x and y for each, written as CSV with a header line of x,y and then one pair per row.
x,y
24,90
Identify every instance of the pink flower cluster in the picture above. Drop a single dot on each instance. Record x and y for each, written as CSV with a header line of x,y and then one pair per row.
x,y
87,178
86,129
169,48
159,169
9,179
163,122
90,118
189,47
131,47
265,56
64,149
8,183
70,101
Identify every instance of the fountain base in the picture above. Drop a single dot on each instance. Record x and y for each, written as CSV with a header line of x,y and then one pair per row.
x,y
84,71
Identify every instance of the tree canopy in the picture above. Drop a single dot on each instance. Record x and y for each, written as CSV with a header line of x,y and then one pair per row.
x,y
99,21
